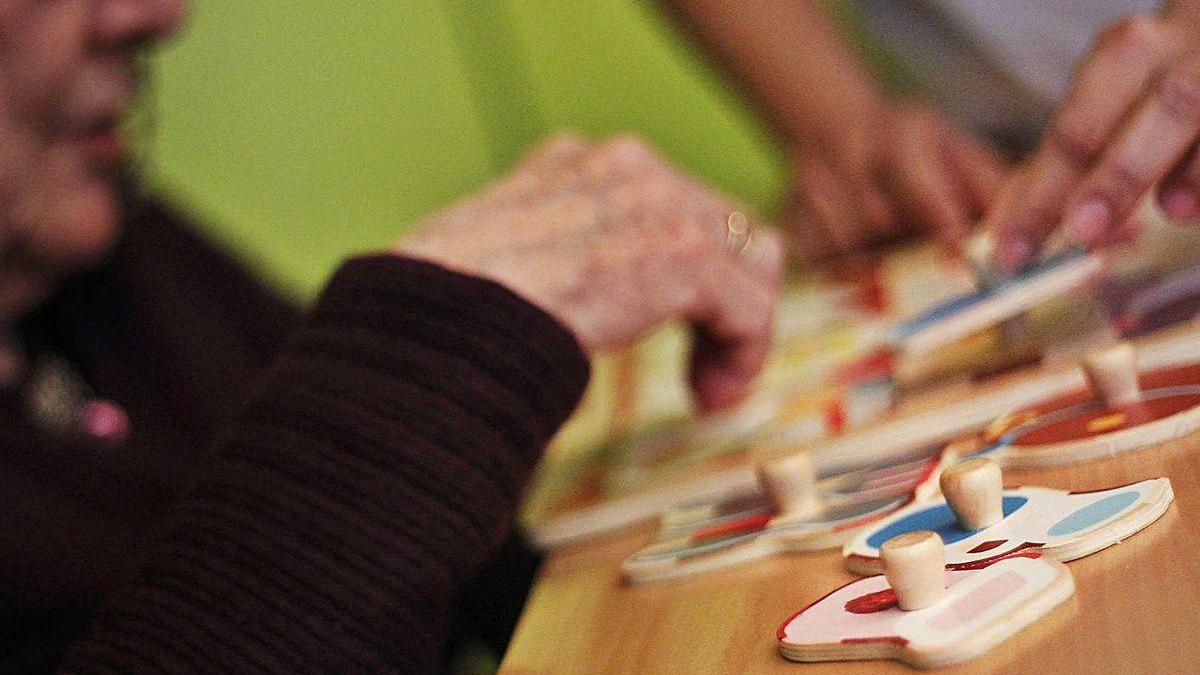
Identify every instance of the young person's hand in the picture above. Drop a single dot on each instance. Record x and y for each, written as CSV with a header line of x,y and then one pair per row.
x,y
612,241
890,170
1130,122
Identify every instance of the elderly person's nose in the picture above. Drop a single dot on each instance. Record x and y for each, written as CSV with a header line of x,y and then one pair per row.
x,y
121,22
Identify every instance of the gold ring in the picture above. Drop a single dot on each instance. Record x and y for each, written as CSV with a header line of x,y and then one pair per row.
x,y
738,232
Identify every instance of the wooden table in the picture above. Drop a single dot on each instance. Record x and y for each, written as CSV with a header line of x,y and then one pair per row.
x,y
1137,607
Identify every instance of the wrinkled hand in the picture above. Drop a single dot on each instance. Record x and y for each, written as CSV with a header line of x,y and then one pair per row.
x,y
902,168
1130,121
611,240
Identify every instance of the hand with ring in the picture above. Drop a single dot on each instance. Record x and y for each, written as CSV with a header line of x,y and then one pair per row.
x,y
613,241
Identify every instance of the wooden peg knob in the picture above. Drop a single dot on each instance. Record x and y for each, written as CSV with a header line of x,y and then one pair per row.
x,y
980,253
974,489
914,564
790,483
1113,375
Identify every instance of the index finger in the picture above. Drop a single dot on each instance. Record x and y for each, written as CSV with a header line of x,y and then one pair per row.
x,y
1155,139
1123,62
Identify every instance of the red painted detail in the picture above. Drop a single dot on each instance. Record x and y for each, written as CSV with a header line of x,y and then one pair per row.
x,y
866,275
780,633
1018,552
835,417
1170,377
754,523
893,639
1106,489
988,545
874,295
1154,379
872,602
1076,427
875,365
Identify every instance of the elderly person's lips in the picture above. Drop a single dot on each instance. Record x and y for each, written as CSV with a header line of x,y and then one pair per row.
x,y
94,119
104,144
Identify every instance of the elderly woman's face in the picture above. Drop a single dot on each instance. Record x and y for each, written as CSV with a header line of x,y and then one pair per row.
x,y
67,77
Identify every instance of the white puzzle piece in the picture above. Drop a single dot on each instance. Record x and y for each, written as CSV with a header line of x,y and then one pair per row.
x,y
983,606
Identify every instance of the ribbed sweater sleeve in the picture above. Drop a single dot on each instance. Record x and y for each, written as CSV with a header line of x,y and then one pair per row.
x,y
374,470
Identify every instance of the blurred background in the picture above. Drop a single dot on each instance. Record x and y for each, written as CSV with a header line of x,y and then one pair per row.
x,y
302,131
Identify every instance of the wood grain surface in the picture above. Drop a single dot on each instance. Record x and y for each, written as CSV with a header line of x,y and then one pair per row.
x,y
1137,609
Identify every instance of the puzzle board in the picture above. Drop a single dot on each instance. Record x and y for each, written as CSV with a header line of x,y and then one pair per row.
x,y
714,535
828,378
1062,525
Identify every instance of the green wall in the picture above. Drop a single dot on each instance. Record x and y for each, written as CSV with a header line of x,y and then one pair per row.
x,y
303,132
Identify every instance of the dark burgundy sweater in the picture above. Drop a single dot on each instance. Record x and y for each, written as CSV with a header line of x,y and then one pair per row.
x,y
298,494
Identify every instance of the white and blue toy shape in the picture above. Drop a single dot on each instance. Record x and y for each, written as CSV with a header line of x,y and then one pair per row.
x,y
1062,525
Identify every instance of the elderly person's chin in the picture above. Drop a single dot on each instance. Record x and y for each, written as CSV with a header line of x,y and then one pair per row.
x,y
62,233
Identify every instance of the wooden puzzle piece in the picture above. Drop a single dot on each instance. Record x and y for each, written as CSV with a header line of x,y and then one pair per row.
x,y
647,473
743,541
717,535
790,484
1165,361
989,306
713,535
1124,410
1063,525
980,608
868,484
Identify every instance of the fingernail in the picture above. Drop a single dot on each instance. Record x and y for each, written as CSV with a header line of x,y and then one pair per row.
x,y
1088,220
1013,253
1180,203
